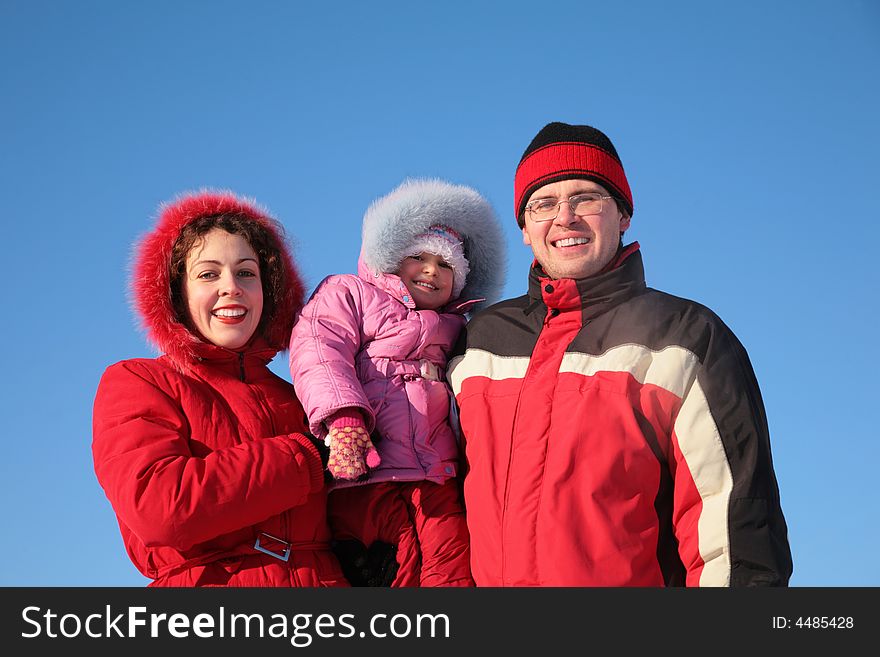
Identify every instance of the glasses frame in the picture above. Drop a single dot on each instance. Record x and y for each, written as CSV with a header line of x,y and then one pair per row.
x,y
600,197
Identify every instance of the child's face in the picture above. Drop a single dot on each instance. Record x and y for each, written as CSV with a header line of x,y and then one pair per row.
x,y
429,280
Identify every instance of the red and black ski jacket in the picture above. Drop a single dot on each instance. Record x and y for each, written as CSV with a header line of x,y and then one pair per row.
x,y
614,435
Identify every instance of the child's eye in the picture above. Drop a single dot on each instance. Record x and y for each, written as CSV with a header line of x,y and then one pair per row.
x,y
416,257
445,265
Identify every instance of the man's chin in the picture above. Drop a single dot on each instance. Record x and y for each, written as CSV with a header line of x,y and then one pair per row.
x,y
572,270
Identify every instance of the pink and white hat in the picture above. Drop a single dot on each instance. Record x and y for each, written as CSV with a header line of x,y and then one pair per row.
x,y
447,243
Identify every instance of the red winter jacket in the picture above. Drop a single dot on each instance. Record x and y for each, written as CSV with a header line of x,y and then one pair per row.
x,y
614,436
201,451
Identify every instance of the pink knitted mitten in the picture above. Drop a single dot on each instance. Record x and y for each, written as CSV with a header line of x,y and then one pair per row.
x,y
351,450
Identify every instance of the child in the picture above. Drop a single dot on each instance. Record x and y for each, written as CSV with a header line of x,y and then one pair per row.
x,y
368,356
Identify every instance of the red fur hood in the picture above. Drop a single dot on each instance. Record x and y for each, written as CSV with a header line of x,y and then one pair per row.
x,y
151,279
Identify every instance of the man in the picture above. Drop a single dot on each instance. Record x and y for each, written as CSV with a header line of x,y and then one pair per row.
x,y
613,435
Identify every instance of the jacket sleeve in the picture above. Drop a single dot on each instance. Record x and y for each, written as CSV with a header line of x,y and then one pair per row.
x,y
165,494
323,347
727,514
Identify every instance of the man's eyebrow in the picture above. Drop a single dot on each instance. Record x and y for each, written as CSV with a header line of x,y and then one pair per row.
x,y
579,190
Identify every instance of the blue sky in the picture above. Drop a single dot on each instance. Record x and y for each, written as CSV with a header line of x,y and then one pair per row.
x,y
748,131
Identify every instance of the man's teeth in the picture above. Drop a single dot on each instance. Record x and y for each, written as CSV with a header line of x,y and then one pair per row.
x,y
230,312
426,285
571,241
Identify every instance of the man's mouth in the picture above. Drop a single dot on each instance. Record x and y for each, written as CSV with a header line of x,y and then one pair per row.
x,y
571,241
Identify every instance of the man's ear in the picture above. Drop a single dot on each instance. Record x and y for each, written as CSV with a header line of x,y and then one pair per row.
x,y
526,239
624,223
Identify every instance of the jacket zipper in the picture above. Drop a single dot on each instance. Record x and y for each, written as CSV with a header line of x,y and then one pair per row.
x,y
513,429
507,480
412,426
516,416
283,516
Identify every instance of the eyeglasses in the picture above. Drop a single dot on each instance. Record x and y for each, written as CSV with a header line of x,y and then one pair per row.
x,y
547,209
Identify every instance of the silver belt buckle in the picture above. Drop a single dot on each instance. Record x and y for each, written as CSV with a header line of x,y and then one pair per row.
x,y
283,556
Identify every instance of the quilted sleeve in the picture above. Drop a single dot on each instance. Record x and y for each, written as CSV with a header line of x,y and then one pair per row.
x,y
727,512
323,346
169,497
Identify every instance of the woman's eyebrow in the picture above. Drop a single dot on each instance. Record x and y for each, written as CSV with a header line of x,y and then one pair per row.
x,y
217,262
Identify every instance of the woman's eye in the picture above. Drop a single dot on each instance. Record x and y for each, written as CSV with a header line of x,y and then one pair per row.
x,y
246,273
207,275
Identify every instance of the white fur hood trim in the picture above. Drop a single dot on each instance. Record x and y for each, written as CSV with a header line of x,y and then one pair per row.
x,y
392,221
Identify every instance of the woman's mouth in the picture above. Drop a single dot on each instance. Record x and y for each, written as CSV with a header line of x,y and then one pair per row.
x,y
230,315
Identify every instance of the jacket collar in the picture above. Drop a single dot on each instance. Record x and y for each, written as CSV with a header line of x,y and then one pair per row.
x,y
389,283
622,280
256,354
393,285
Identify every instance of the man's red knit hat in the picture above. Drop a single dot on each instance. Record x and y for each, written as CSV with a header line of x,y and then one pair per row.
x,y
561,152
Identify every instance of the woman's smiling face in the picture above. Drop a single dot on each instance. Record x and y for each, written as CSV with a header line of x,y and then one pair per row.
x,y
223,290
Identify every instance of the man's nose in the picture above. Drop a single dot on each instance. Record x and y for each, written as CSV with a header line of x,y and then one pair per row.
x,y
565,216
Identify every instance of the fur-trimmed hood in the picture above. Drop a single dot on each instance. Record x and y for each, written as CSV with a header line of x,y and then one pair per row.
x,y
150,284
392,221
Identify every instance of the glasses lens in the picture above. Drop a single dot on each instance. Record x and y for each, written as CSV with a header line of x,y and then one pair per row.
x,y
586,204
543,209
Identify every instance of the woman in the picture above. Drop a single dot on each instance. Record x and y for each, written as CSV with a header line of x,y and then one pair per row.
x,y
201,451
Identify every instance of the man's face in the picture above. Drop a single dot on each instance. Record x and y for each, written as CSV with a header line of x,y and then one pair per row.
x,y
570,246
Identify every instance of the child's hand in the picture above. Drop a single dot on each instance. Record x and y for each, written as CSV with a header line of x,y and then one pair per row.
x,y
351,452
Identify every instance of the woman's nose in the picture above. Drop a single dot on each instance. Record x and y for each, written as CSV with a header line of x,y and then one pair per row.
x,y
230,287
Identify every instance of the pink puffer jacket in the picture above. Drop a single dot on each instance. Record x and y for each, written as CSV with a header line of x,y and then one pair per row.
x,y
360,342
